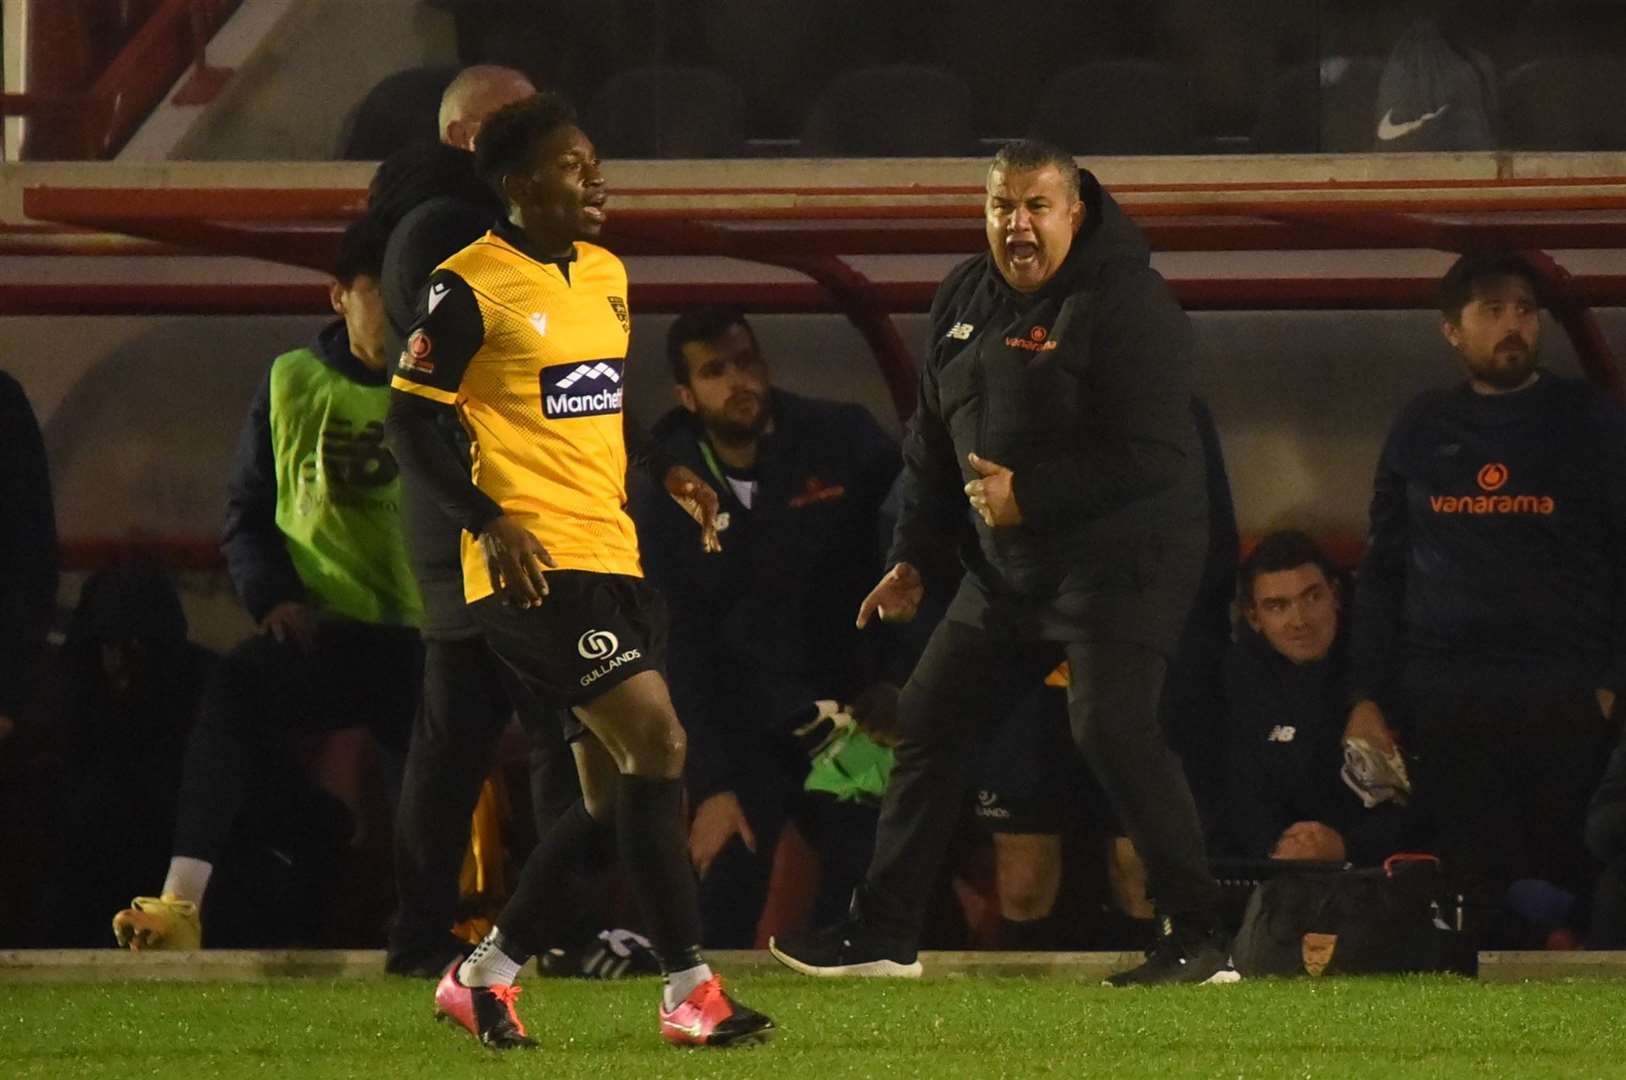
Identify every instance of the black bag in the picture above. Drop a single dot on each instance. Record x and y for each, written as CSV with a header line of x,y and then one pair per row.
x,y
1391,919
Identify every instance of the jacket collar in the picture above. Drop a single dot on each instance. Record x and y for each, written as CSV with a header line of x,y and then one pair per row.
x,y
333,349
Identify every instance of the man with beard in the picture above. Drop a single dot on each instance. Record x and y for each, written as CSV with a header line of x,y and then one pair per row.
x,y
1489,618
763,630
1054,447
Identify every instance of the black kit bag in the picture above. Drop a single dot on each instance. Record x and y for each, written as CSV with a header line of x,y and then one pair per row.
x,y
1391,919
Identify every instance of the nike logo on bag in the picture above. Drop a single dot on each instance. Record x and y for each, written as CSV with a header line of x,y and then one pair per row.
x,y
1388,130
437,293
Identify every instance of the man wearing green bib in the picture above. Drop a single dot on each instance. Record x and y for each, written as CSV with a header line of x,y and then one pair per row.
x,y
313,543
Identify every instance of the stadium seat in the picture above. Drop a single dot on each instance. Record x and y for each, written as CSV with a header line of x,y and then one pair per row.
x,y
1325,106
1565,103
666,111
769,48
402,108
1117,107
895,110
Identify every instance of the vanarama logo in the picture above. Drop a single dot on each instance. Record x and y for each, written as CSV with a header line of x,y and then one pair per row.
x,y
1492,478
1036,341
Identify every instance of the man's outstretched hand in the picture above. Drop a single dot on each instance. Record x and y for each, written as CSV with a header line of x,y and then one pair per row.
x,y
896,598
698,500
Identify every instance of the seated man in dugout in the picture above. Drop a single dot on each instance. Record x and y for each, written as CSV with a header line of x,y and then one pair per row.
x,y
764,655
1489,621
314,546
1287,687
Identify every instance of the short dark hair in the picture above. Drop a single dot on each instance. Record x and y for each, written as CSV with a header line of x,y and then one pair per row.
x,y
361,251
1284,549
509,137
1021,155
700,324
1458,284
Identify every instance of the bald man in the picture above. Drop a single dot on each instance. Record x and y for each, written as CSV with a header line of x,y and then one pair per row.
x,y
475,94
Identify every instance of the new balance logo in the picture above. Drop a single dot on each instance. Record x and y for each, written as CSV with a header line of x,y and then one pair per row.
x,y
960,331
1282,733
592,388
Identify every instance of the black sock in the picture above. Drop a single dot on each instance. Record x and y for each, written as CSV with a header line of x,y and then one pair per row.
x,y
558,880
1030,935
655,856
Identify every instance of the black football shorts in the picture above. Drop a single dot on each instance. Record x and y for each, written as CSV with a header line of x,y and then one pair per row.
x,y
591,633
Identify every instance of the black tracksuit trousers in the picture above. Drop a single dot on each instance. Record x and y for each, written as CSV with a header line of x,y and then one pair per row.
x,y
264,692
966,678
468,696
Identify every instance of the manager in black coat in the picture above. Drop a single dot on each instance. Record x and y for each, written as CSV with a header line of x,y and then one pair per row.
x,y
1053,443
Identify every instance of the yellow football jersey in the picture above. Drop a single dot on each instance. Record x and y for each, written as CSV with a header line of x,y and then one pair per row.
x,y
533,355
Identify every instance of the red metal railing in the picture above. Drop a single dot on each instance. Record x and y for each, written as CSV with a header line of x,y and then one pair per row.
x,y
810,231
92,121
815,231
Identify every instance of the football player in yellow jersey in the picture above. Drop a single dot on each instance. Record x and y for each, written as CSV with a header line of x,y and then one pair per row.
x,y
524,333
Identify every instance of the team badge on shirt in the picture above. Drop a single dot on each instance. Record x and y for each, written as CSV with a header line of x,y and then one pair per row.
x,y
619,306
590,388
415,357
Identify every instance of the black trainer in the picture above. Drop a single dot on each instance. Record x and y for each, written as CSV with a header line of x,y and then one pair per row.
x,y
849,948
613,954
1204,960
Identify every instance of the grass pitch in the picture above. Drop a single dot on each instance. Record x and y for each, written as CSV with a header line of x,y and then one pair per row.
x,y
984,1027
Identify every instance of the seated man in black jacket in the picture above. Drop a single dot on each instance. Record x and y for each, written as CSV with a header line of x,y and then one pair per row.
x,y
1490,615
763,630
1288,690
